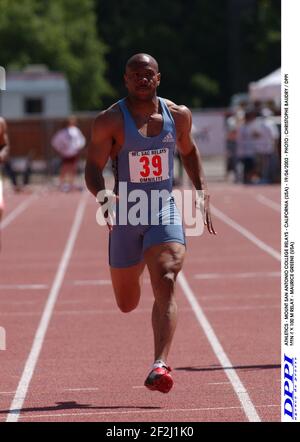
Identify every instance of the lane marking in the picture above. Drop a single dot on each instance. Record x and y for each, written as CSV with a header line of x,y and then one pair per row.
x,y
18,302
83,282
87,282
17,211
23,286
141,310
230,372
230,295
82,389
242,307
246,233
218,383
267,202
160,410
72,301
66,389
84,312
237,275
20,314
33,357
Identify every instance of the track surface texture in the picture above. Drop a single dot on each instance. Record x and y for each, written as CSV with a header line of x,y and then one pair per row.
x,y
72,356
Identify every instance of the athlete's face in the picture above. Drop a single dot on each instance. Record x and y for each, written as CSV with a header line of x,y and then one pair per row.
x,y
142,80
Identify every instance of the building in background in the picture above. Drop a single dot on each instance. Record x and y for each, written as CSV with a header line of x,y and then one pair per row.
x,y
35,92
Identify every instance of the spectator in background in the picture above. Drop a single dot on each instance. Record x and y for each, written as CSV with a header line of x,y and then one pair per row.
x,y
233,122
68,142
267,147
247,138
257,146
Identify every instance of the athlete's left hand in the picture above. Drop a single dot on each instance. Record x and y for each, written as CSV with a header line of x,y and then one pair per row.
x,y
202,203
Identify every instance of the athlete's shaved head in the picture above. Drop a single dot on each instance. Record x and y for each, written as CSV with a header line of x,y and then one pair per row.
x,y
140,60
142,77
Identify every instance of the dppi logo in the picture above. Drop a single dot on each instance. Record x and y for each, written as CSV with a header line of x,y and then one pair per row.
x,y
289,387
2,79
2,339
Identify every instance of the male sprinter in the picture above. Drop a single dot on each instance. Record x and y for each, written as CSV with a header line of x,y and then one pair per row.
x,y
139,134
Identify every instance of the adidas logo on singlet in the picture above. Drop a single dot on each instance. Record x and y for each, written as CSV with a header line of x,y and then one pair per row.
x,y
168,138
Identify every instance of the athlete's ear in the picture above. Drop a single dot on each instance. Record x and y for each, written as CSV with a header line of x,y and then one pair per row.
x,y
158,78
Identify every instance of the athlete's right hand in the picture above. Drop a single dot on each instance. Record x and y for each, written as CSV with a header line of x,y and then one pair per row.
x,y
107,212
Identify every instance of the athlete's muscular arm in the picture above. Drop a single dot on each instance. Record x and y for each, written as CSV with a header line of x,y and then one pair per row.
x,y
98,153
188,150
191,157
4,145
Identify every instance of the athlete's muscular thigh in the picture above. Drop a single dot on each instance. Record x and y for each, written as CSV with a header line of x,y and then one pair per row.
x,y
164,261
127,286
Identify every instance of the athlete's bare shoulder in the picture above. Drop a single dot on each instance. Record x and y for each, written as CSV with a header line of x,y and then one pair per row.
x,y
109,119
181,114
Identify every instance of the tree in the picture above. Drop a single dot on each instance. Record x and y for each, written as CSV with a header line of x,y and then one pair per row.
x,y
61,34
190,53
261,39
207,50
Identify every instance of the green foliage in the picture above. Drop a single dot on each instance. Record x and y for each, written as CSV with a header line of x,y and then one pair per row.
x,y
61,34
204,87
192,40
207,50
260,39
178,34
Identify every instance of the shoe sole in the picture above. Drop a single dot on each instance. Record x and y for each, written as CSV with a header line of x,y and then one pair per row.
x,y
162,384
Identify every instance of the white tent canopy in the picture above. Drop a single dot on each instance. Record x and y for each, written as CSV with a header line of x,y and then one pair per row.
x,y
268,88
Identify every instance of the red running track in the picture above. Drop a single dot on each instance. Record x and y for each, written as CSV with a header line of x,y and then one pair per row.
x,y
86,361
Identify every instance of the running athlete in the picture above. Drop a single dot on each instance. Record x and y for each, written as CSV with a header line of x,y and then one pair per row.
x,y
4,150
139,134
4,159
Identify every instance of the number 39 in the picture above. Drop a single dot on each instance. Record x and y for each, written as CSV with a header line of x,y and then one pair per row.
x,y
155,165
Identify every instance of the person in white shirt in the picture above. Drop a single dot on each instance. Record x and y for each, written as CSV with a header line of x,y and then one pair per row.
x,y
248,136
68,142
267,154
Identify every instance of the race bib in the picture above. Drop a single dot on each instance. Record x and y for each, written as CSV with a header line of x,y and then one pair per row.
x,y
148,165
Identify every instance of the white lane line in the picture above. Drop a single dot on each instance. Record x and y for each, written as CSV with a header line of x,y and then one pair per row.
x,y
81,389
33,357
234,295
237,275
242,307
96,282
141,310
17,314
66,389
246,233
17,302
83,282
233,377
160,410
23,286
72,301
267,202
218,383
17,211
